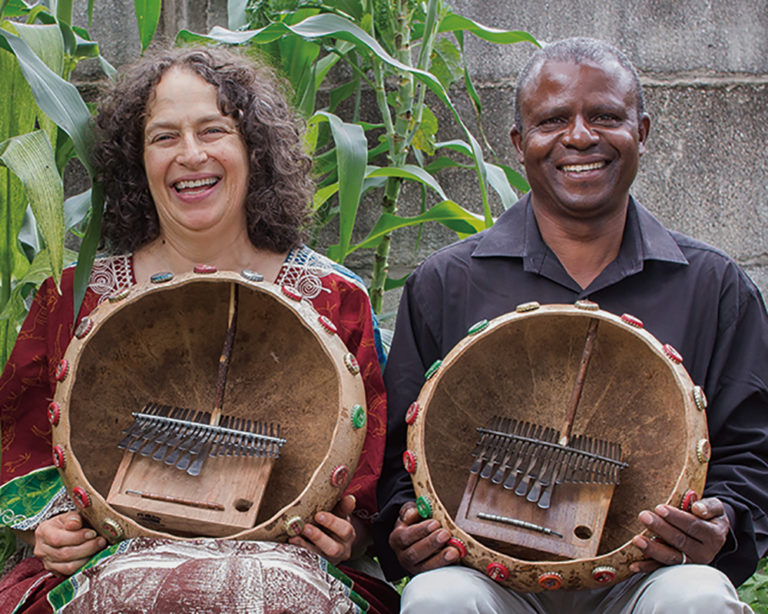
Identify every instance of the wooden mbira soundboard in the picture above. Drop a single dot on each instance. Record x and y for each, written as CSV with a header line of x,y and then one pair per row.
x,y
537,448
272,443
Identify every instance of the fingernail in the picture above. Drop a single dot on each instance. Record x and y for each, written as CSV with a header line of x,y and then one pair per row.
x,y
90,534
645,517
640,542
433,526
443,537
450,555
662,510
634,568
321,517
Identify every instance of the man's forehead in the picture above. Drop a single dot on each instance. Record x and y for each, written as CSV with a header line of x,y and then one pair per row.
x,y
565,73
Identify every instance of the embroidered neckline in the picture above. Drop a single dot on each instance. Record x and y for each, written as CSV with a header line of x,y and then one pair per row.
x,y
111,274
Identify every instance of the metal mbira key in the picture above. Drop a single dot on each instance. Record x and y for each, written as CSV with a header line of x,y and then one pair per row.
x,y
528,481
542,434
164,442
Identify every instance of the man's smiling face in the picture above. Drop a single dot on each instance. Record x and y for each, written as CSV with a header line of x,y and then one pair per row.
x,y
581,137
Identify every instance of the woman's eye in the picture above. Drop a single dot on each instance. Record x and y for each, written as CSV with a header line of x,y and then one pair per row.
x,y
215,131
161,138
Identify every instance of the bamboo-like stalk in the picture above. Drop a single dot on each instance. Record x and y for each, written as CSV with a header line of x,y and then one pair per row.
x,y
407,121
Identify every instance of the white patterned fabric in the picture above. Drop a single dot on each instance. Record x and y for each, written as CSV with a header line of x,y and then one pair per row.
x,y
165,575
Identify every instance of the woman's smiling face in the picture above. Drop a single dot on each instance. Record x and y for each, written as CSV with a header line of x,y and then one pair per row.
x,y
195,158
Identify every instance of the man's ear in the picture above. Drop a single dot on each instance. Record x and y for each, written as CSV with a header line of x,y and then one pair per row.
x,y
643,128
517,141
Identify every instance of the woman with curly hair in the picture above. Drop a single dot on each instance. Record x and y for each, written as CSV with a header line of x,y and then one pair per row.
x,y
202,163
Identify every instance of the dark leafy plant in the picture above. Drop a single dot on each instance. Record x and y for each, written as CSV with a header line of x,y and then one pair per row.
x,y
754,591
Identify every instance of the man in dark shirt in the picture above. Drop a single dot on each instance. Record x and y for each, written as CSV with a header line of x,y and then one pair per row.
x,y
580,129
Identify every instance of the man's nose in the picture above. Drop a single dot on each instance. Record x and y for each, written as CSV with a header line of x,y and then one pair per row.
x,y
191,151
580,134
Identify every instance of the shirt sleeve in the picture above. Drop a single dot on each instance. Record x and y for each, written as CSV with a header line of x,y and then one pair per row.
x,y
413,349
738,427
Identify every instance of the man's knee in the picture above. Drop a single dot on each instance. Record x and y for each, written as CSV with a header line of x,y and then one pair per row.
x,y
451,589
690,588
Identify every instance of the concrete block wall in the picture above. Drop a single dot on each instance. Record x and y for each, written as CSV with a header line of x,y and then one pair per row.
x,y
704,66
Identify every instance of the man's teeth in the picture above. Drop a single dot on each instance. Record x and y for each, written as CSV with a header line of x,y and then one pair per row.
x,y
195,183
580,168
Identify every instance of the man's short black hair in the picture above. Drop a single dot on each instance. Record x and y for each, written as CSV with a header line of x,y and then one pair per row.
x,y
578,51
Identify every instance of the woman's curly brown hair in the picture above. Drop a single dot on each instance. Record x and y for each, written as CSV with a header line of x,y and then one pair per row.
x,y
279,185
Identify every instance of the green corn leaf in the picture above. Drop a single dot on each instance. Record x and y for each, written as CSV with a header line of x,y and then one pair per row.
x,y
446,63
447,212
452,22
236,17
516,180
59,99
498,181
14,8
76,208
323,194
64,10
442,162
408,171
47,42
351,157
455,145
31,158
147,18
393,284
88,246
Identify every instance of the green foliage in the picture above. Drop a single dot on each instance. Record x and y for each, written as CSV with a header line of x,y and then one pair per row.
x,y
394,51
147,18
44,123
754,591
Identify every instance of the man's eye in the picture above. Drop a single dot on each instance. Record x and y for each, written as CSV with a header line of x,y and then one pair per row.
x,y
605,118
552,121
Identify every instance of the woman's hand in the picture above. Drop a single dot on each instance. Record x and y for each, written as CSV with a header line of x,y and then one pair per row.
x,y
63,545
334,535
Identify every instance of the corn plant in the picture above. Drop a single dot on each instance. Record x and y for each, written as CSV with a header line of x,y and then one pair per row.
x,y
44,123
400,52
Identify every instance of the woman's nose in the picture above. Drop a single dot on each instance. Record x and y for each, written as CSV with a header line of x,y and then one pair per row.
x,y
191,151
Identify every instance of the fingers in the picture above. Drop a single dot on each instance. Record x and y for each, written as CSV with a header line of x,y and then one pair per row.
x,y
334,535
345,506
708,508
63,545
72,521
699,534
420,545
657,553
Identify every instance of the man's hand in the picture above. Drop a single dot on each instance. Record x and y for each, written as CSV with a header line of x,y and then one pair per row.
x,y
63,545
683,537
334,536
420,545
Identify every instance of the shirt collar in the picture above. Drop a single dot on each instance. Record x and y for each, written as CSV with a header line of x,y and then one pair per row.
x,y
516,235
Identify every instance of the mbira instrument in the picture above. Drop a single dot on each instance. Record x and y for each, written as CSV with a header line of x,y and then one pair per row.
x,y
209,404
540,437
